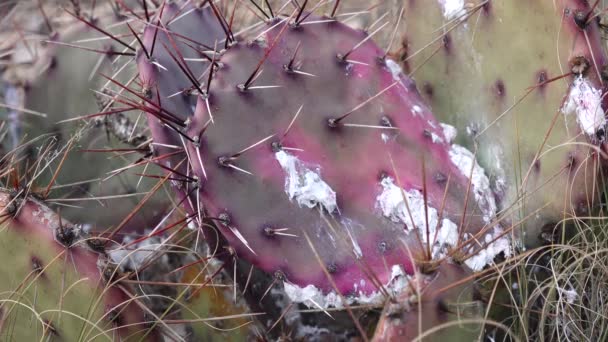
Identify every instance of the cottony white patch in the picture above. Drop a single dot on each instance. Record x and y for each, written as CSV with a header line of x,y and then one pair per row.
x,y
473,129
314,298
392,204
586,102
394,69
304,185
449,132
384,137
349,69
416,110
486,255
192,225
137,254
436,139
570,295
464,160
452,8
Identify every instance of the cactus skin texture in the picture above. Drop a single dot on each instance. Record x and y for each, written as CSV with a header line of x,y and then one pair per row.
x,y
211,302
493,77
58,82
440,302
48,77
324,175
52,287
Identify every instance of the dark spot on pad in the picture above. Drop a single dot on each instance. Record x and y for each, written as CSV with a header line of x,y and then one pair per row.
x,y
186,94
53,63
51,328
439,178
402,54
383,247
276,146
499,86
97,245
224,161
548,231
332,268
109,271
36,264
537,165
333,123
109,51
115,318
581,19
147,93
65,235
447,43
442,306
571,162
224,218
11,208
486,8
600,135
579,65
268,231
341,59
382,175
279,275
427,88
542,77
241,87
381,60
386,121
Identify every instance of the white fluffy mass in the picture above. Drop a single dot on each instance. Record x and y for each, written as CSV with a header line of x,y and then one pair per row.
x,y
452,8
305,186
464,161
570,295
137,254
486,255
314,297
391,203
586,103
394,69
449,132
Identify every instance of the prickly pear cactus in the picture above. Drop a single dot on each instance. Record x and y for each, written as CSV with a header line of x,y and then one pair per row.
x,y
53,287
523,82
314,155
308,169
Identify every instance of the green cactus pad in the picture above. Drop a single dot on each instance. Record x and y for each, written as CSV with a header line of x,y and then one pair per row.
x,y
491,76
52,290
